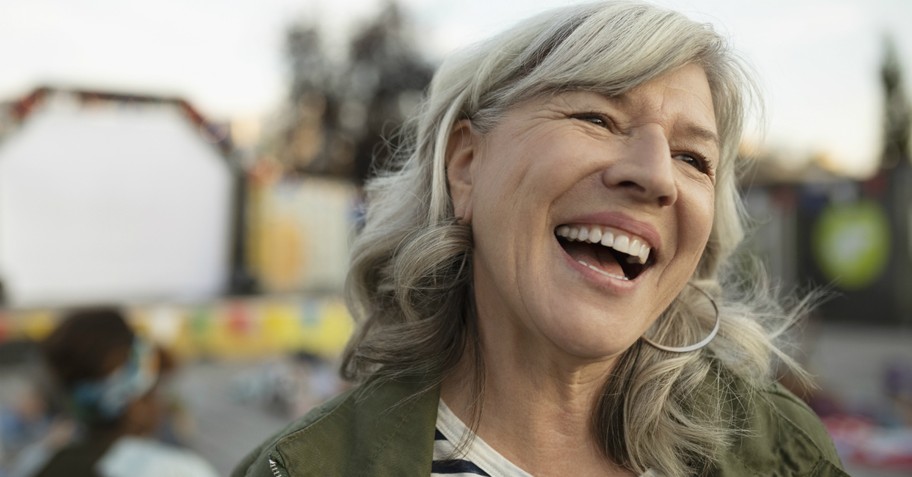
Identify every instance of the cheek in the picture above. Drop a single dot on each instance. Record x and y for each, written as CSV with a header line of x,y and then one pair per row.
x,y
533,167
697,223
707,218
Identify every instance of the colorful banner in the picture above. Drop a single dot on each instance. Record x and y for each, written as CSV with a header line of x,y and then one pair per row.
x,y
243,328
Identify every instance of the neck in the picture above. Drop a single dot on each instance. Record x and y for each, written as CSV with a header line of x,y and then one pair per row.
x,y
536,409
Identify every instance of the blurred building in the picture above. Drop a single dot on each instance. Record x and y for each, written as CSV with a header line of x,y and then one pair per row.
x,y
851,237
108,197
814,229
299,230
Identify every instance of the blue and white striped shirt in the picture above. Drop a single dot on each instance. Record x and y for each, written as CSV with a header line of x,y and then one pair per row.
x,y
478,459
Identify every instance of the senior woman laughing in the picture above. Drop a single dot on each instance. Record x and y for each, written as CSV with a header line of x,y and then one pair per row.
x,y
542,281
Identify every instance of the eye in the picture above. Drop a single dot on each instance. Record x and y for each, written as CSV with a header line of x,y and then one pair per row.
x,y
697,161
598,119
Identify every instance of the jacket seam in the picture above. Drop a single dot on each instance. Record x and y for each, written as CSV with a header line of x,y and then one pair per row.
x,y
819,454
325,415
823,464
300,431
790,398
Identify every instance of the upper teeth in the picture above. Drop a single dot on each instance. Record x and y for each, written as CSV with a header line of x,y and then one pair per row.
x,y
633,246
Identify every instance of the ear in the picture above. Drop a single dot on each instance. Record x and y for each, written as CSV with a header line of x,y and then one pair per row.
x,y
460,156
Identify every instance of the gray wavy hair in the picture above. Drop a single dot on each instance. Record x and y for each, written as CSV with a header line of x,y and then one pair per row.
x,y
410,282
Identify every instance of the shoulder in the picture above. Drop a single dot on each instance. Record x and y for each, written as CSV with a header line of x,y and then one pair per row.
x,y
139,457
387,428
261,460
779,435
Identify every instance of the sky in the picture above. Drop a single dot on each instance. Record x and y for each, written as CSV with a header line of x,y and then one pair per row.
x,y
816,60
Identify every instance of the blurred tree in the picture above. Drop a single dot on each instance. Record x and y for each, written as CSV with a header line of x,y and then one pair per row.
x,y
390,76
309,110
897,114
345,114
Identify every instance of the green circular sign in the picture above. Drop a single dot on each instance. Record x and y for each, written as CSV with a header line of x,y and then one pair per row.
x,y
851,243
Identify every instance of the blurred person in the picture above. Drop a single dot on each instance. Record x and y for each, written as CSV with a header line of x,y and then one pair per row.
x,y
25,420
110,379
543,283
29,418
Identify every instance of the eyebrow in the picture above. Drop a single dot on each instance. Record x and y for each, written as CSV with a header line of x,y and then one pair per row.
x,y
691,130
703,134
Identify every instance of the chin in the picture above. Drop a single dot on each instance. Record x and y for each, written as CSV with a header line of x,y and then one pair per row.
x,y
592,338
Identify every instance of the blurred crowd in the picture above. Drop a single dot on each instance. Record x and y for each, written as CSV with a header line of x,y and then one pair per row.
x,y
101,400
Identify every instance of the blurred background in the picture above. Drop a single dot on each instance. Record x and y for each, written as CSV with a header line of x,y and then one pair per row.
x,y
200,164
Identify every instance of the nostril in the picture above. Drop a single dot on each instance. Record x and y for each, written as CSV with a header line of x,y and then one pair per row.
x,y
632,185
647,193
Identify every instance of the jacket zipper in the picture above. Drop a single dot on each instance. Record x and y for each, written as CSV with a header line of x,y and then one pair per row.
x,y
274,467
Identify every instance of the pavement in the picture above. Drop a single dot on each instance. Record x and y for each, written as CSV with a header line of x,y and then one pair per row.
x,y
225,428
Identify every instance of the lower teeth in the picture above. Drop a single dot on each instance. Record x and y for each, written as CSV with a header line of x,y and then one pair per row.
x,y
619,277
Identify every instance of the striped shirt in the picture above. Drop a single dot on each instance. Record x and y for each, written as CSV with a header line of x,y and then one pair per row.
x,y
478,459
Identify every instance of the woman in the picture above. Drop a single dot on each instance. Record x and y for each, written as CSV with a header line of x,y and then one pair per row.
x,y
109,378
542,282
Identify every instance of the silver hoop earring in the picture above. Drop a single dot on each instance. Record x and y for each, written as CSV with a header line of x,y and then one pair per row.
x,y
696,346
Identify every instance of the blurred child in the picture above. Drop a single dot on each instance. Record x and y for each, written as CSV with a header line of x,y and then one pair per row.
x,y
109,378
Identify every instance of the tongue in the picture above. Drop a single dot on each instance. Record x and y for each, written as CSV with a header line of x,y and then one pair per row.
x,y
596,256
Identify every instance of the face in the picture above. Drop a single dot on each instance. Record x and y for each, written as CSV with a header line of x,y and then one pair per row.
x,y
589,213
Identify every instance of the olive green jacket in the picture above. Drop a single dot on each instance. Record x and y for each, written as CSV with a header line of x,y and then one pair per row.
x,y
389,433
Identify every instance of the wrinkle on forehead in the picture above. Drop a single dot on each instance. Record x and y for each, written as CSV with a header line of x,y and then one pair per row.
x,y
651,98
692,118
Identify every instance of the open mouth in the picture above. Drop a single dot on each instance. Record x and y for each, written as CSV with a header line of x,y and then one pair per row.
x,y
606,251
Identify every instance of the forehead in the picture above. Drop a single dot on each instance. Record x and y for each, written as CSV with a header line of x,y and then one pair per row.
x,y
680,100
682,95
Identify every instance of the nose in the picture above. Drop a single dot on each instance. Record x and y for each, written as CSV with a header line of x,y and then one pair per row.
x,y
643,167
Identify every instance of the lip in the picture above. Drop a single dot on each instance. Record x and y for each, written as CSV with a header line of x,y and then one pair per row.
x,y
621,221
603,282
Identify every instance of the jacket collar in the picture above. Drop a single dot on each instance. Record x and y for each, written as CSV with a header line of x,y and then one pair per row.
x,y
388,430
